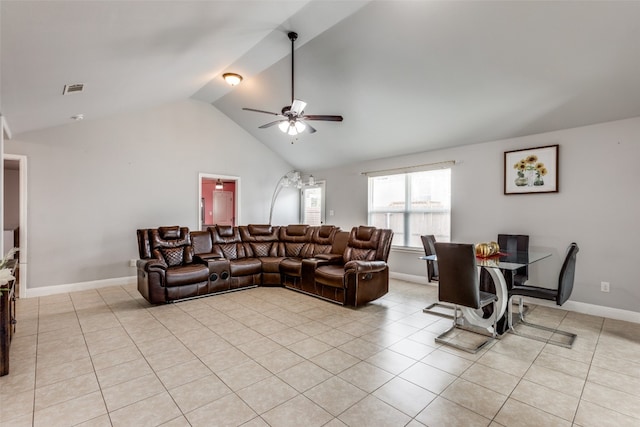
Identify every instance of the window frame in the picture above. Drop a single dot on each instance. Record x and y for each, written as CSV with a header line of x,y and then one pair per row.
x,y
407,211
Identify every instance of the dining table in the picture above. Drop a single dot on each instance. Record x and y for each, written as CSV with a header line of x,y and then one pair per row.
x,y
497,266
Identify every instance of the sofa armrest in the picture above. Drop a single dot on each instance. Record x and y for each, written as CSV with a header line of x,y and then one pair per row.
x,y
204,258
365,266
329,258
152,264
151,278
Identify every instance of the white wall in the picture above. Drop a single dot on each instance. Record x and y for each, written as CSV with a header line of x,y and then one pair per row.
x,y
93,183
597,206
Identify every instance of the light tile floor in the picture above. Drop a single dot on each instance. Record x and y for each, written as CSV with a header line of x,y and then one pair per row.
x,y
274,357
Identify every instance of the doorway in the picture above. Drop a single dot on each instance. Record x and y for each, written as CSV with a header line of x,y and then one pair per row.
x,y
219,197
15,213
312,204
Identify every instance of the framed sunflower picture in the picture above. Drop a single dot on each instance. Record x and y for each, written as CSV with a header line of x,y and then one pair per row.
x,y
532,170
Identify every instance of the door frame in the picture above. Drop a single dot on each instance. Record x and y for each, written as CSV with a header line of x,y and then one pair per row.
x,y
236,200
22,164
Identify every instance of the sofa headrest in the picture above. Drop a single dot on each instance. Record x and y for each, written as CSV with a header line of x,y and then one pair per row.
x,y
326,230
224,230
260,229
364,233
172,232
297,229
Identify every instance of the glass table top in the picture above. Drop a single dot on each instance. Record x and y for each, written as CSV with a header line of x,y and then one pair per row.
x,y
505,260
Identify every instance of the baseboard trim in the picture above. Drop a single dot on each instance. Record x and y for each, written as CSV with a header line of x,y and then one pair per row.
x,y
81,286
410,278
578,307
593,310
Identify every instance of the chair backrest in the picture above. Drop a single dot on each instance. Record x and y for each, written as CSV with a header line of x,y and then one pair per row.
x,y
459,283
567,274
513,242
428,242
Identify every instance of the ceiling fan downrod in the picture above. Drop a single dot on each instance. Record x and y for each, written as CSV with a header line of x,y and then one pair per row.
x,y
293,36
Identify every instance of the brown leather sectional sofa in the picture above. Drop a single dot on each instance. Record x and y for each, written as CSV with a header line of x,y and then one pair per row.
x,y
349,268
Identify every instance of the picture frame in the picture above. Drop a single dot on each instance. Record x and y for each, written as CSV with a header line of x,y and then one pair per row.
x,y
531,170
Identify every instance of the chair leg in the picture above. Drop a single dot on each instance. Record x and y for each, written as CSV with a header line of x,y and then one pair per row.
x,y
430,309
440,339
572,337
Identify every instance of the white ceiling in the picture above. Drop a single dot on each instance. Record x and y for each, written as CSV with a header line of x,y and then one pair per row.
x,y
407,76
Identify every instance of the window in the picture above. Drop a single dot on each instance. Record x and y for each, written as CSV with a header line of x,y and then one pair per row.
x,y
412,204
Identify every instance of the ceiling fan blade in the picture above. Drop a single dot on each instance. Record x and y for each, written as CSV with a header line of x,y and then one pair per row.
x,y
262,111
308,128
268,125
326,118
297,107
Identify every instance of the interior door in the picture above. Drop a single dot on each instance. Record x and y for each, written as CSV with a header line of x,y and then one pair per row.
x,y
223,207
312,204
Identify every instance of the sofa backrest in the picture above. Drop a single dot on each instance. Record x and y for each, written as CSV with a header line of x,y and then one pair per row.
x,y
172,245
227,241
144,243
295,240
202,242
367,243
259,240
322,239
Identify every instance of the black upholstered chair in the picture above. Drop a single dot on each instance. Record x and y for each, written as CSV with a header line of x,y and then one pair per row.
x,y
428,242
459,285
559,295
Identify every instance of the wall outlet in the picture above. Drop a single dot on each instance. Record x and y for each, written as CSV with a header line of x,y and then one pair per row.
x,y
132,263
604,286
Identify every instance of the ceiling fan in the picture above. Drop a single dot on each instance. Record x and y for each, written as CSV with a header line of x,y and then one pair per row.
x,y
292,119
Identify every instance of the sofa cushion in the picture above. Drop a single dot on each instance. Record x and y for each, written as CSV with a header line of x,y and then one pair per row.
x,y
172,232
245,266
291,267
173,256
260,229
186,275
261,249
331,275
225,230
230,250
271,264
297,229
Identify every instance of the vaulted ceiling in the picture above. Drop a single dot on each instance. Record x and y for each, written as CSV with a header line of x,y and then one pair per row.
x,y
407,76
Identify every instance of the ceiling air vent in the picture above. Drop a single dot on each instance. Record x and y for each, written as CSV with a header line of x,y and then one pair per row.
x,y
73,88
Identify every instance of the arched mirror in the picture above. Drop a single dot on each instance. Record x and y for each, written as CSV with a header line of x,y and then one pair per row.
x,y
219,197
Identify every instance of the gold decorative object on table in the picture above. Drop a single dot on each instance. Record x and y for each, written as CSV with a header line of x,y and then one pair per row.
x,y
488,249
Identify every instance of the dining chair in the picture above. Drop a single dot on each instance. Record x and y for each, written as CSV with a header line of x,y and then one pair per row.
x,y
428,242
511,243
459,285
559,295
437,308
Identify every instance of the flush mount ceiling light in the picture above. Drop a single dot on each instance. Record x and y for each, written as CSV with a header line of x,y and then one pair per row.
x,y
77,117
232,79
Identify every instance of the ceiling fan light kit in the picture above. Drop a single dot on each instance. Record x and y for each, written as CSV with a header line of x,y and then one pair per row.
x,y
291,119
232,79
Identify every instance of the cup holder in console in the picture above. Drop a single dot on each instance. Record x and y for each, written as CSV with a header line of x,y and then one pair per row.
x,y
223,275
